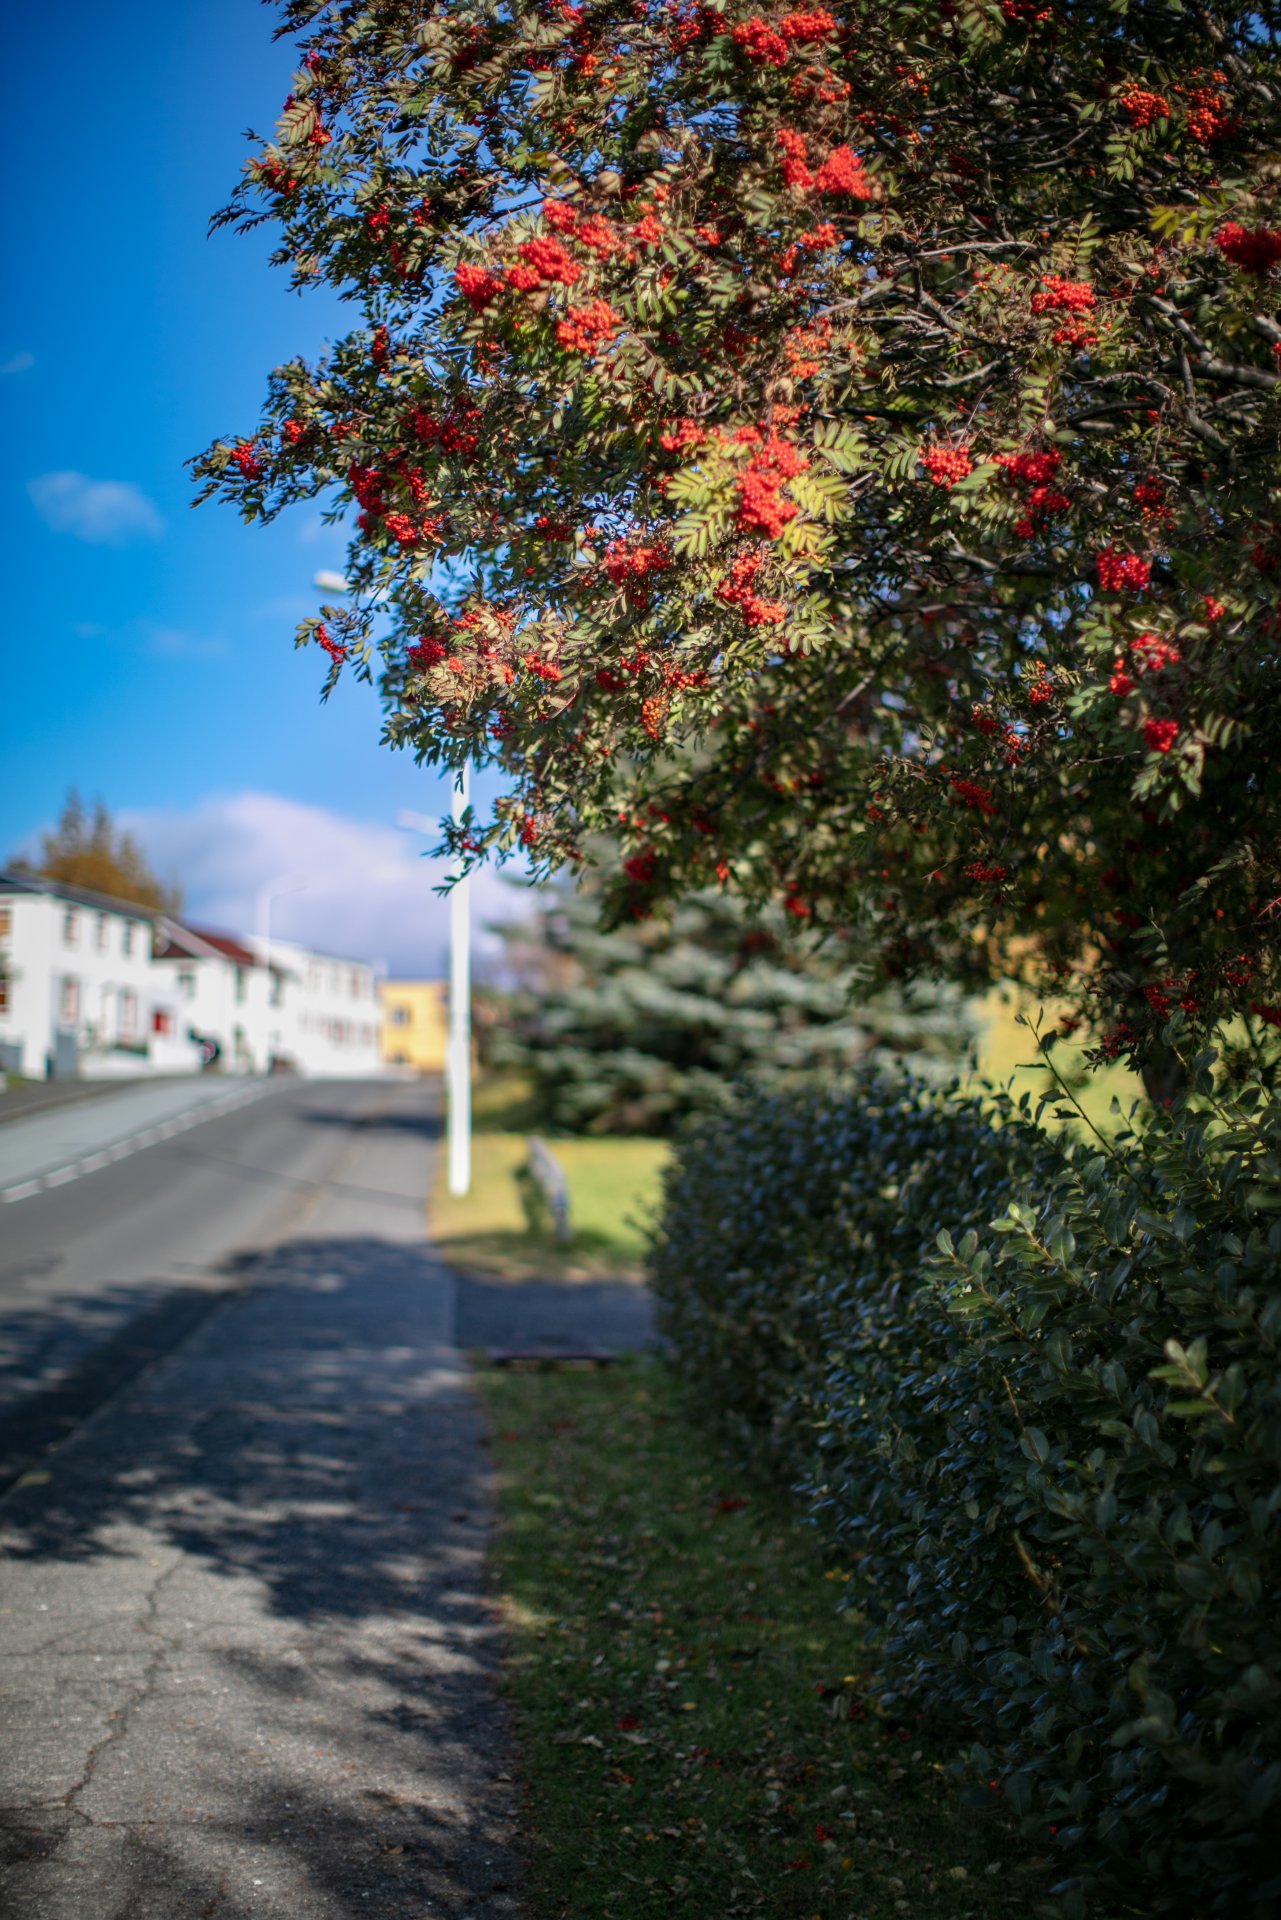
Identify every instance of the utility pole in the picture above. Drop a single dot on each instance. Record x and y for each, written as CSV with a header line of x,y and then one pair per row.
x,y
458,1046
460,1013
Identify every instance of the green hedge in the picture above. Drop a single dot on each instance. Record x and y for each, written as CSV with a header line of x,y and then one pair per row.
x,y
1030,1387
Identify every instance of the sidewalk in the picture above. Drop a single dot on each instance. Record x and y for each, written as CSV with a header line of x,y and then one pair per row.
x,y
47,1149
247,1662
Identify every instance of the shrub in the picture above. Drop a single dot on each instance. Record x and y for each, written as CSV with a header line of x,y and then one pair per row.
x,y
1050,1445
781,1201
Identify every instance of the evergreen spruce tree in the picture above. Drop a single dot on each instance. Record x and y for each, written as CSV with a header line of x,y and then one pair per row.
x,y
626,1030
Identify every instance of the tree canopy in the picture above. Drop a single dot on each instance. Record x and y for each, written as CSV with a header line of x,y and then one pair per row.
x,y
86,849
836,448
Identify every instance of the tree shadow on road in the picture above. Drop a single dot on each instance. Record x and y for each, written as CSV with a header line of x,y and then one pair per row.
x,y
287,1518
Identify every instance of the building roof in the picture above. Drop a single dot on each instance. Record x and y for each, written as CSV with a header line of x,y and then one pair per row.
x,y
176,942
18,880
223,943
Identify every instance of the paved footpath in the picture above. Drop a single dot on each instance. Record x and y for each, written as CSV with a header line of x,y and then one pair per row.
x,y
45,1150
247,1660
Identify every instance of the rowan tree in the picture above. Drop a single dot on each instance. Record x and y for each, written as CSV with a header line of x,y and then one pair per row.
x,y
834,448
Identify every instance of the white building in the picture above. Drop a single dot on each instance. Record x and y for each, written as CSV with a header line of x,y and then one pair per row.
x,y
79,994
91,986
228,996
329,1017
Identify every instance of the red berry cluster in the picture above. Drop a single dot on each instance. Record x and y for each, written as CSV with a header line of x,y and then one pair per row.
x,y
971,794
738,590
1064,296
560,216
549,263
1041,501
761,507
765,46
426,653
1160,735
681,435
1255,249
796,170
276,177
946,465
453,433
842,172
542,668
334,648
1142,107
247,460
1152,654
586,329
1122,572
1209,116
478,287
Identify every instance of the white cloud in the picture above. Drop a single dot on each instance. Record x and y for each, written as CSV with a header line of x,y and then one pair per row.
x,y
175,643
362,891
18,363
106,513
285,609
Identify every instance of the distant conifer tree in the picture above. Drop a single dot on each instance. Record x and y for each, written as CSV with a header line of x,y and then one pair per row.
x,y
86,850
626,1031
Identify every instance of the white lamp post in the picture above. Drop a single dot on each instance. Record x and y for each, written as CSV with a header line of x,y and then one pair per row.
x,y
458,1053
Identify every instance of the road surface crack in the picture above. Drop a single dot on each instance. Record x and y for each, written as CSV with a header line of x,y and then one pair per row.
x,y
141,1691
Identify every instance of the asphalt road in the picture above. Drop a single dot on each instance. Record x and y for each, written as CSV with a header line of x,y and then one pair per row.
x,y
247,1657
107,1271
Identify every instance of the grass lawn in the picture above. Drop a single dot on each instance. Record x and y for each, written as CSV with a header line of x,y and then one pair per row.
x,y
1007,1052
696,1735
612,1185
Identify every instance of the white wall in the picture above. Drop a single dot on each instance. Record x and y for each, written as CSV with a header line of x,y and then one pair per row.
x,y
89,971
328,1022
226,1002
28,1019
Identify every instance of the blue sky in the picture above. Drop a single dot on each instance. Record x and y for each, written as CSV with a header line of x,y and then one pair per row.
x,y
150,652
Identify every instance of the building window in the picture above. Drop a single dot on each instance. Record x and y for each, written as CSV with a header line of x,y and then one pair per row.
x,y
128,1013
126,938
162,1021
240,985
100,933
71,926
187,985
6,922
4,993
401,1017
69,1001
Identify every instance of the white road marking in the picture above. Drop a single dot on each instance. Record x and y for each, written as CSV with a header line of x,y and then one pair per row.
x,y
60,1176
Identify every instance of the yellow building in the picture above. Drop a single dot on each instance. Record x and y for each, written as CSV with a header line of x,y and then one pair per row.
x,y
415,1024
